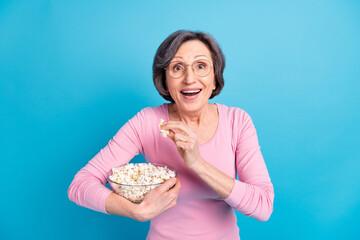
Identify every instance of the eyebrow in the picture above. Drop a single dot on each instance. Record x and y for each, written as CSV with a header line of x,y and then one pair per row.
x,y
194,57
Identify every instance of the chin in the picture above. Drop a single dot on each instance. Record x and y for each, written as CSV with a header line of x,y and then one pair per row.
x,y
192,106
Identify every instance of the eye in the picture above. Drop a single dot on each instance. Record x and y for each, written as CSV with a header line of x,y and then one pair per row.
x,y
200,65
177,67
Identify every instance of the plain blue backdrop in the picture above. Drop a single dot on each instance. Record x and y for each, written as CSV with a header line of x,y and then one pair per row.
x,y
73,72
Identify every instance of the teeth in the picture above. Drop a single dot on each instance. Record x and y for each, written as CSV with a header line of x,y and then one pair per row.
x,y
193,91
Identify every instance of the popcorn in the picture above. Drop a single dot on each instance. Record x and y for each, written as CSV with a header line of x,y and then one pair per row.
x,y
165,133
138,179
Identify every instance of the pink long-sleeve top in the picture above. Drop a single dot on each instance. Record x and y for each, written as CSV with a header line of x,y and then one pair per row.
x,y
200,213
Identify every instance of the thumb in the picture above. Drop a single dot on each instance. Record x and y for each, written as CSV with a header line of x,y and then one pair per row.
x,y
167,184
171,135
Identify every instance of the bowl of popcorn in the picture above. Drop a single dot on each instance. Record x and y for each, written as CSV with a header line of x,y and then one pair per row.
x,y
134,181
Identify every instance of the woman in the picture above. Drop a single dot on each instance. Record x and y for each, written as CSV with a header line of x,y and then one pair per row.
x,y
208,144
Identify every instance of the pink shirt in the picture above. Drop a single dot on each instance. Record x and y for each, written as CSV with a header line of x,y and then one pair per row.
x,y
200,213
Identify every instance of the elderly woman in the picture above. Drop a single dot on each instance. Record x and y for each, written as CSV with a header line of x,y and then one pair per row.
x,y
208,144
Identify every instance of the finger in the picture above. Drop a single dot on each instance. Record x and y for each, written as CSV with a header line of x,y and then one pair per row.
x,y
181,145
181,137
173,130
177,125
173,193
177,185
168,184
171,135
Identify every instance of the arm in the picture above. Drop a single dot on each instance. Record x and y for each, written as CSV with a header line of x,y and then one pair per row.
x,y
253,194
218,181
117,205
88,190
249,196
155,202
88,187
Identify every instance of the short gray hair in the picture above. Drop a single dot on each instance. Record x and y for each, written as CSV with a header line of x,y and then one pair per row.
x,y
167,50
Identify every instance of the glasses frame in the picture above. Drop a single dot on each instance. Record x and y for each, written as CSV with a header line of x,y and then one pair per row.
x,y
192,68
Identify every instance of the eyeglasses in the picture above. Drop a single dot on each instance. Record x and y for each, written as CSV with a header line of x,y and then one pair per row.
x,y
200,67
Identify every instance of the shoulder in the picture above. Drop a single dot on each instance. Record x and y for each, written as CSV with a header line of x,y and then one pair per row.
x,y
151,112
149,115
240,123
235,120
234,115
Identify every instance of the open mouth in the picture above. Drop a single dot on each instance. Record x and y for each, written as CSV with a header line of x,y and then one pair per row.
x,y
190,92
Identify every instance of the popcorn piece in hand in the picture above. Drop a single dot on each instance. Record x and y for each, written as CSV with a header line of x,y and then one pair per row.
x,y
165,133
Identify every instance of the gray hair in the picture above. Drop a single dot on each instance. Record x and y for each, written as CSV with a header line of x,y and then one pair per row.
x,y
167,50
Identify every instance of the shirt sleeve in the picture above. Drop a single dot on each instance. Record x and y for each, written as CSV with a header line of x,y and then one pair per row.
x,y
253,193
88,186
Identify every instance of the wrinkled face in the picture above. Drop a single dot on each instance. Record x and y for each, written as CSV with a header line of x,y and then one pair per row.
x,y
191,91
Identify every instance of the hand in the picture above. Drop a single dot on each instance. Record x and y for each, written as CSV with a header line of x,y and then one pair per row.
x,y
185,140
159,200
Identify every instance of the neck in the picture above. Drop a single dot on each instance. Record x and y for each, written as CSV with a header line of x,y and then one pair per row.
x,y
190,118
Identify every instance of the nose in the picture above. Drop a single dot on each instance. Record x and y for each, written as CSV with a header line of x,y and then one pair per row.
x,y
189,75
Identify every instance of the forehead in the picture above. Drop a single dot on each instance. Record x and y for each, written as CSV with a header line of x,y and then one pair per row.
x,y
192,49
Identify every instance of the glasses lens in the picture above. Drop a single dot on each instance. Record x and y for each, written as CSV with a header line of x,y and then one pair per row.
x,y
176,69
202,67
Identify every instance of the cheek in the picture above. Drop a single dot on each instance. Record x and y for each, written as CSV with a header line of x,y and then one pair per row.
x,y
171,88
168,85
212,83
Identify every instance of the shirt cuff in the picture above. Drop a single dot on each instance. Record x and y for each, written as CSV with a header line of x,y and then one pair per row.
x,y
236,195
103,198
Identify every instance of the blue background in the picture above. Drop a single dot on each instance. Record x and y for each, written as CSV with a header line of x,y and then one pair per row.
x,y
73,72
